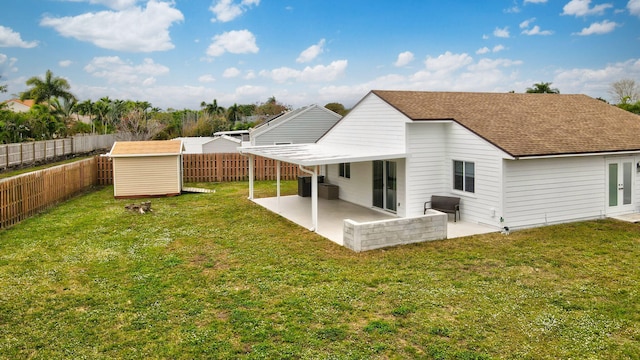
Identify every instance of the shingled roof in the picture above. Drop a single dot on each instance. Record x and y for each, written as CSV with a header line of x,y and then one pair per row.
x,y
525,125
146,148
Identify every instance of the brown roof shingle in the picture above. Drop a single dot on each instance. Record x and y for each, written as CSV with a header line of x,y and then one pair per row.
x,y
527,124
149,148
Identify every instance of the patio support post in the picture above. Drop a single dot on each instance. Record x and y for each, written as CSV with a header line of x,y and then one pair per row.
x,y
278,184
251,165
314,196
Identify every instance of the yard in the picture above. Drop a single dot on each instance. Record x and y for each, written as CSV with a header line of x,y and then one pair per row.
x,y
215,276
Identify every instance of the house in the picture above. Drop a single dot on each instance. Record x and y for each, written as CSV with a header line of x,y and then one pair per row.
x,y
208,145
243,135
193,144
19,106
300,126
516,160
146,168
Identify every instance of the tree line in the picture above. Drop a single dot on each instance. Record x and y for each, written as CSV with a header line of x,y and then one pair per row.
x,y
57,113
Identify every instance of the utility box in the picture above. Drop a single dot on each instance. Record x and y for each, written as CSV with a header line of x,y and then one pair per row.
x,y
304,185
328,191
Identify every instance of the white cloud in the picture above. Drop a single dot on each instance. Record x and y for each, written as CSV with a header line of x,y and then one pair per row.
x,y
65,63
231,72
512,10
501,33
490,64
227,10
311,52
581,8
116,70
634,7
525,24
250,75
206,78
536,31
235,42
404,58
486,50
600,28
10,62
447,62
318,73
133,29
595,82
112,4
10,38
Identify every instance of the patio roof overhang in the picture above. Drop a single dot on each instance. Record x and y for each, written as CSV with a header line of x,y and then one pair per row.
x,y
309,156
319,154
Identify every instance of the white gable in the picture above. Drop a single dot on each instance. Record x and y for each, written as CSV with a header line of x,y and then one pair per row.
x,y
301,126
371,124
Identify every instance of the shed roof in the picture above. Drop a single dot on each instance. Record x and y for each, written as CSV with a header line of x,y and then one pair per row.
x,y
527,124
146,148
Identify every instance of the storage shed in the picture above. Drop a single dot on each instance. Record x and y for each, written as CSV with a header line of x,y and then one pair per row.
x,y
147,168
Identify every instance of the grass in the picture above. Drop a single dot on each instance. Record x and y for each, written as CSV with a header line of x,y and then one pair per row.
x,y
216,276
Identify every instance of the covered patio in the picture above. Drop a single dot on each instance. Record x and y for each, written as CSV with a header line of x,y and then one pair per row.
x,y
332,213
357,227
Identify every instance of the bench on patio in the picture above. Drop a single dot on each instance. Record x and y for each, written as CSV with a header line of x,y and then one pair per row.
x,y
446,204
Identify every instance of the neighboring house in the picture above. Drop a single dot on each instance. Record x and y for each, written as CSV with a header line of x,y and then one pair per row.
x,y
208,145
19,106
146,168
517,160
243,135
300,126
222,144
22,106
193,145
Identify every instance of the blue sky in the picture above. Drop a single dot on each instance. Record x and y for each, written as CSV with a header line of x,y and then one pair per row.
x,y
176,54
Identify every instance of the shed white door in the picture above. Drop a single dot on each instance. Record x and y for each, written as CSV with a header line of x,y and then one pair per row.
x,y
620,176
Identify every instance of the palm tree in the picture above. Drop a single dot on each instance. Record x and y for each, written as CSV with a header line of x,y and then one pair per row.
x,y
542,88
86,108
213,108
233,114
42,90
3,88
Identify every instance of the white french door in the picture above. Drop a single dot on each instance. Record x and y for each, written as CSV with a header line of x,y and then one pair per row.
x,y
620,179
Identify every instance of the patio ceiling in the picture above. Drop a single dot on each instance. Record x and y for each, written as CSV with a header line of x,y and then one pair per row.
x,y
318,154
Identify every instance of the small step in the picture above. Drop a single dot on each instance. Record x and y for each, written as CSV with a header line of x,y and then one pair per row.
x,y
197,190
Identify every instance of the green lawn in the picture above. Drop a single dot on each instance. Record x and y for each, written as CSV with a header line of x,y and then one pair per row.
x,y
215,276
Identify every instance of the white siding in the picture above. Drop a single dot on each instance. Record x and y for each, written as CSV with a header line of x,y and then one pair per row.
x,y
359,188
221,145
146,176
372,123
426,164
432,148
547,191
306,127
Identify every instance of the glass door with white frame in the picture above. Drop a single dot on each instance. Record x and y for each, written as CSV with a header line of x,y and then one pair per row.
x,y
620,175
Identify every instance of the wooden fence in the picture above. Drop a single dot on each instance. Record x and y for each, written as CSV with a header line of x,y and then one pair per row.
x,y
25,195
219,167
18,154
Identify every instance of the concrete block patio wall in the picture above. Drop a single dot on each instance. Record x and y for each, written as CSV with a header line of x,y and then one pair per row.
x,y
379,234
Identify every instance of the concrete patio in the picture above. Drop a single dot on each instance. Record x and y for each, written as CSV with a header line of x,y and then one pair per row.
x,y
332,213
